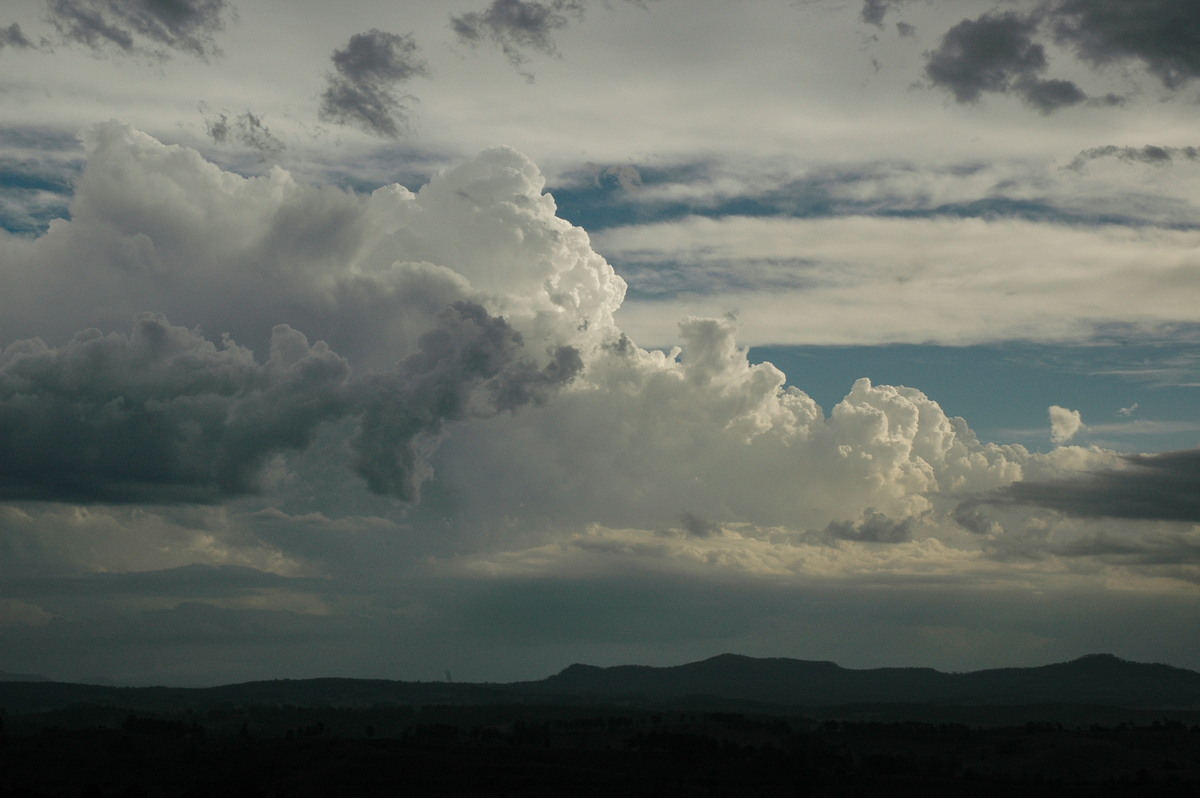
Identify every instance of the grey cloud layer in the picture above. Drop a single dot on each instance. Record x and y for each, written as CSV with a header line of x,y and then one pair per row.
x,y
1151,486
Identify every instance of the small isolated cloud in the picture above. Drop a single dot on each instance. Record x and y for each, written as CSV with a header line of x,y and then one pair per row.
x,y
1129,411
998,53
1064,424
516,26
245,129
362,92
155,27
874,11
12,36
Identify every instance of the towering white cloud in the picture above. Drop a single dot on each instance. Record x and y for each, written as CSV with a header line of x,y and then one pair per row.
x,y
462,334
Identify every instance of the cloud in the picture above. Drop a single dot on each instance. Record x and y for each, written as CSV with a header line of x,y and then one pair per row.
x,y
12,36
1163,34
245,129
362,92
1149,153
697,527
997,53
1146,486
471,366
874,11
186,26
1064,424
872,528
858,279
517,25
986,54
361,271
520,26
158,415
405,411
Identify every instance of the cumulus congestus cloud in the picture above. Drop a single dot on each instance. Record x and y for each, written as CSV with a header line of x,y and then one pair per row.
x,y
465,336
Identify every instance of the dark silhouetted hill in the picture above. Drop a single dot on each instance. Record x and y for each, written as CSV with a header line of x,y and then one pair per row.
x,y
1098,679
727,681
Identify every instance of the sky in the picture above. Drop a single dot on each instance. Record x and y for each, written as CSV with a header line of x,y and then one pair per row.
x,y
474,339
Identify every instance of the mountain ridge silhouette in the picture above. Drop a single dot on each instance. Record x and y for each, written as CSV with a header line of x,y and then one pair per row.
x,y
1095,679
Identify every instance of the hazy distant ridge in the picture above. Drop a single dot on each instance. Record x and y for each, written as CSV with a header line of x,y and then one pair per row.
x,y
1097,680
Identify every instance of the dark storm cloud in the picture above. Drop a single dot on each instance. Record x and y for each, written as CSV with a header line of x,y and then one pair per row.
x,y
1164,487
986,55
183,25
1004,52
997,53
1150,154
163,415
245,129
1048,96
159,415
362,92
472,363
517,25
1163,34
873,528
13,37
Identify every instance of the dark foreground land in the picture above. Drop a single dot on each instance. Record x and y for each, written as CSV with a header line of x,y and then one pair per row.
x,y
726,726
545,750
